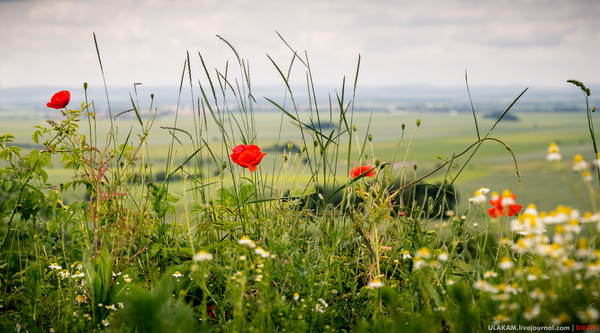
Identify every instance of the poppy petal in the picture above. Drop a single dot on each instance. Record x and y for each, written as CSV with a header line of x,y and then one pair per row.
x,y
494,212
514,209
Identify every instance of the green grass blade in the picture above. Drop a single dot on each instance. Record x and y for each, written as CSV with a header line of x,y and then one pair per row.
x,y
137,113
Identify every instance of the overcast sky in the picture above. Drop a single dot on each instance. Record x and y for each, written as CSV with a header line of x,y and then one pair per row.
x,y
499,43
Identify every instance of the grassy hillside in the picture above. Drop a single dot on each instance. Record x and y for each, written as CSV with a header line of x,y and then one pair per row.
x,y
439,134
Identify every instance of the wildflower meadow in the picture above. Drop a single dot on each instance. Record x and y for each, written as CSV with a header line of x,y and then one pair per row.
x,y
319,235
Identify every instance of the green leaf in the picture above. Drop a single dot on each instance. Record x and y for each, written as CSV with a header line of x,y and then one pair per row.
x,y
52,227
154,249
35,136
222,196
15,150
246,192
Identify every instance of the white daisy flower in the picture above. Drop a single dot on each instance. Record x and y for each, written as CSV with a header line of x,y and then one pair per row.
x,y
64,273
553,153
506,263
203,255
376,283
489,274
78,274
111,307
579,164
55,266
246,241
406,255
479,197
589,315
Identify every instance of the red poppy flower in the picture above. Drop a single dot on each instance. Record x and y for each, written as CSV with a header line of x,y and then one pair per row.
x,y
362,169
211,313
247,156
504,205
60,100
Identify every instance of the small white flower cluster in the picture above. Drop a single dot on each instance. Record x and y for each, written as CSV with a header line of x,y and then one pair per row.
x,y
579,164
64,273
261,252
423,257
528,223
246,241
321,307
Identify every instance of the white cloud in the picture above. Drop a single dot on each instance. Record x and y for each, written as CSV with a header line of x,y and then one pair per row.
x,y
401,42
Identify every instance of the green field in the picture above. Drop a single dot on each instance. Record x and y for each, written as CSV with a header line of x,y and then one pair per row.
x,y
439,134
236,260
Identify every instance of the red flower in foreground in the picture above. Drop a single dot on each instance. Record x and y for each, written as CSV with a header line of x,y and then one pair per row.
x,y
247,156
60,100
211,313
503,205
362,169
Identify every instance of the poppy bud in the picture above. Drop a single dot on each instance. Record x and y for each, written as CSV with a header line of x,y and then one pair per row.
x,y
354,128
415,167
302,149
315,143
418,122
290,146
224,165
377,163
370,137
152,96
85,85
352,199
403,126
